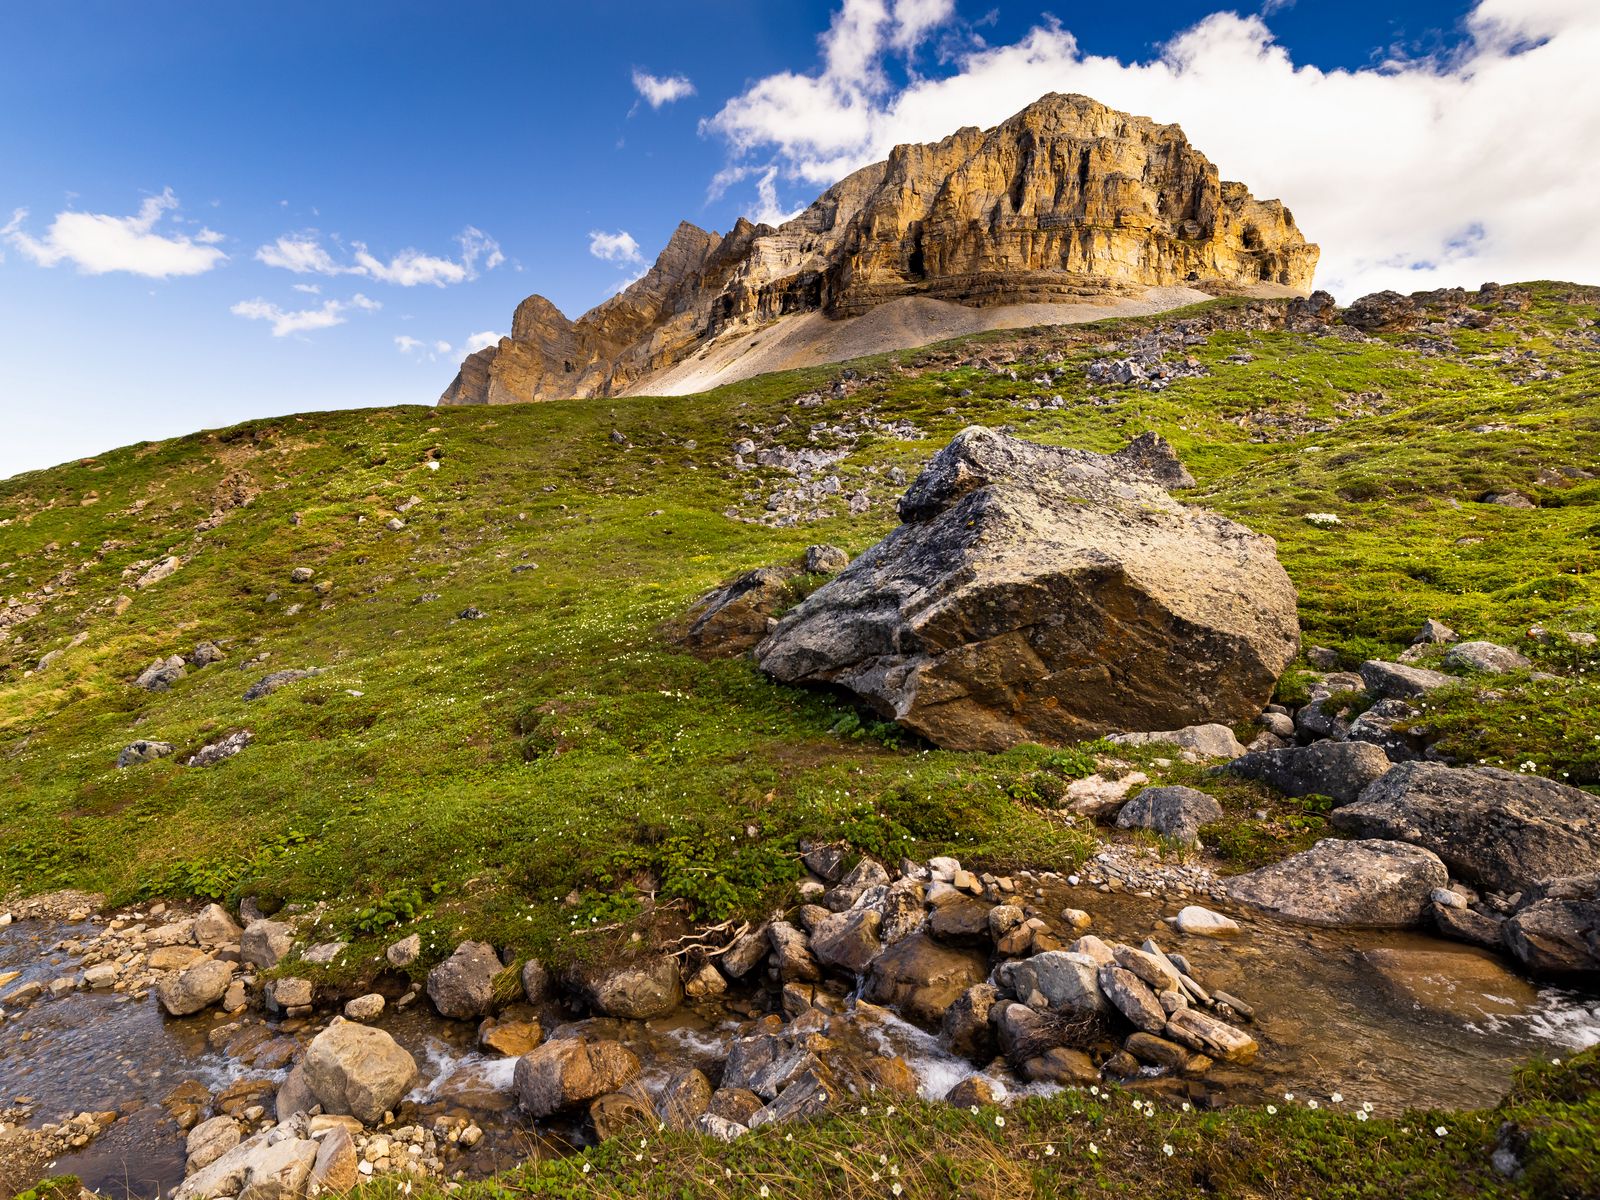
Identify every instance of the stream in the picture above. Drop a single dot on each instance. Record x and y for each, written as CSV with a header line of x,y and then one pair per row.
x,y
1392,1019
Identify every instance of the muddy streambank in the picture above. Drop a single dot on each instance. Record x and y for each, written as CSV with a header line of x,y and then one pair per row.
x,y
104,1084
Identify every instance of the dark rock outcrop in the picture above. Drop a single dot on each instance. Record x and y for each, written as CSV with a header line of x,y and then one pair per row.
x,y
1492,828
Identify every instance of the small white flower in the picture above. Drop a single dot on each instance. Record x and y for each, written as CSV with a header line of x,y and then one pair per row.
x,y
1361,1116
1323,520
1093,1149
999,1122
1337,1098
974,1110
1366,1106
587,1167
764,1190
1440,1130
1312,1103
1272,1110
1166,1148
895,1190
1050,1150
1288,1097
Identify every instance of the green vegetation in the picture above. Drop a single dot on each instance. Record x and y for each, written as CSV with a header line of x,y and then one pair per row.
x,y
1101,1145
560,765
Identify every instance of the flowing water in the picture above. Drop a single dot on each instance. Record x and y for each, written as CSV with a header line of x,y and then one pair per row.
x,y
1439,1025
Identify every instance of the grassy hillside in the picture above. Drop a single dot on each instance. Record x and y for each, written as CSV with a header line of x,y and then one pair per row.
x,y
552,763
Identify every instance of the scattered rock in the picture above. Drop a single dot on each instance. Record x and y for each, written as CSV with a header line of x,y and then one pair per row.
x,y
1173,812
263,943
365,1008
1339,770
636,989
1485,657
1556,929
404,952
1203,741
161,674
357,1069
731,620
920,979
270,683
212,753
825,560
462,986
1396,681
142,752
195,987
1194,920
563,1074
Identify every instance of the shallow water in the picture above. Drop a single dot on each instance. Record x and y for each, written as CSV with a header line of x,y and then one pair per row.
x,y
1326,1020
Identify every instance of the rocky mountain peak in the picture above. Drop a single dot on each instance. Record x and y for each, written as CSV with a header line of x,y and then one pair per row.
x,y
1067,201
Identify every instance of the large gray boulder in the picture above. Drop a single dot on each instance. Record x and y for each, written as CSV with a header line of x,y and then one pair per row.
x,y
1041,594
1339,770
1493,829
1368,884
358,1070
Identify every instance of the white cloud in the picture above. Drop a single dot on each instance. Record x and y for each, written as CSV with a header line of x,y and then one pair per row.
x,y
657,90
618,248
98,244
407,344
1412,174
304,254
285,322
913,20
482,341
310,289
441,347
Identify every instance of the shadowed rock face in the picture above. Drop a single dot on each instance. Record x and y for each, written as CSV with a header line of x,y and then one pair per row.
x,y
1043,594
1067,200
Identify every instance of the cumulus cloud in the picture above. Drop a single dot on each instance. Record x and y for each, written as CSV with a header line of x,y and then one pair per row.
x,y
304,254
435,350
618,247
656,90
1414,173
285,322
98,244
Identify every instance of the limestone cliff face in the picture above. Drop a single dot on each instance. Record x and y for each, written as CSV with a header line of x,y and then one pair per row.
x,y
1067,200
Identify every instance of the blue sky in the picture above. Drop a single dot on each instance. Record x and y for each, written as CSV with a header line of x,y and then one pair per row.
x,y
214,212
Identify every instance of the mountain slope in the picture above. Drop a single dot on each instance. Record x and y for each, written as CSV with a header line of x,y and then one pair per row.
x,y
562,744
1066,202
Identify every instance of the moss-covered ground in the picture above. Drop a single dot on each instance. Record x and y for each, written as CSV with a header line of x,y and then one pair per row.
x,y
559,764
480,775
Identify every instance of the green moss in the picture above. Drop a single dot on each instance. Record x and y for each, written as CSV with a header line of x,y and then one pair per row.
x,y
563,746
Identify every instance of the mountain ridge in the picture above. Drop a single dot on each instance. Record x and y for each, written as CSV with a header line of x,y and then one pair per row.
x,y
1068,201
